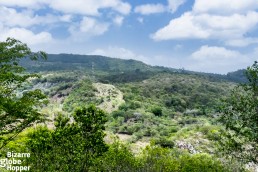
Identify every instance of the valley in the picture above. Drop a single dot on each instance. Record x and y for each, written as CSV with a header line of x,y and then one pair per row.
x,y
145,105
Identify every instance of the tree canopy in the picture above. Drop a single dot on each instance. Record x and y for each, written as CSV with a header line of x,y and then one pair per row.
x,y
18,110
72,146
240,116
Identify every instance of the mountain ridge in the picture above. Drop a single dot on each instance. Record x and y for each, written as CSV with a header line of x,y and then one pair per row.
x,y
115,66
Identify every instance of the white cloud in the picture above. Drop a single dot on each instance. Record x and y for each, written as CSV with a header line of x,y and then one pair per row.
x,y
181,28
206,26
77,7
21,22
89,7
242,42
119,52
140,19
147,9
11,18
32,4
217,60
87,28
224,20
26,18
85,7
123,8
224,6
92,26
66,18
123,53
174,4
214,53
118,20
178,47
25,35
232,26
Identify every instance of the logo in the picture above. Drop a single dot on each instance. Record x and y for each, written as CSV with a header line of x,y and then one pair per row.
x,y
13,162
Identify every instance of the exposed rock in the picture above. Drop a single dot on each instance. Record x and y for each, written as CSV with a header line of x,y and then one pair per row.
x,y
187,146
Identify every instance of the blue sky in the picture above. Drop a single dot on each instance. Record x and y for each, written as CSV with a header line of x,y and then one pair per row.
x,y
216,36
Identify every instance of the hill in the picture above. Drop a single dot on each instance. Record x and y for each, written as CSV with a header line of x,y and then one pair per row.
x,y
57,62
114,69
154,102
90,97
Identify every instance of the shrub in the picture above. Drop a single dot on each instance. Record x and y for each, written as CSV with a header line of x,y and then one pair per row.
x,y
134,105
117,158
117,113
167,160
157,111
200,162
164,142
123,107
72,147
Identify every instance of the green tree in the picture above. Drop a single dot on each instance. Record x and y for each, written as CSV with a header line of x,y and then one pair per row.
x,y
167,160
71,146
157,111
240,116
117,158
17,111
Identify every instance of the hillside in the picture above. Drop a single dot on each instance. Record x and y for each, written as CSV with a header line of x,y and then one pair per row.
x,y
57,62
114,69
145,105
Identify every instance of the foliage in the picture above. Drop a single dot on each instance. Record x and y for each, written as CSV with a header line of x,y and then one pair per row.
x,y
163,159
71,62
154,159
130,76
156,111
117,158
164,142
17,110
174,93
71,146
239,115
81,95
238,76
161,104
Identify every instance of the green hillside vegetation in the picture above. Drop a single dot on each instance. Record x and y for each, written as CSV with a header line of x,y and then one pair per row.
x,y
84,62
114,68
107,114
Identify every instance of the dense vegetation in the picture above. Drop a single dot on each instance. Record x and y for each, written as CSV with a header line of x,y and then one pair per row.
x,y
240,116
17,111
144,118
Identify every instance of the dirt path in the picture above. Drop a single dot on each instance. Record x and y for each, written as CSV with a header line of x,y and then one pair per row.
x,y
111,96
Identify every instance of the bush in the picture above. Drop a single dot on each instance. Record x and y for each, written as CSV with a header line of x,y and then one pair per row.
x,y
212,132
159,159
200,162
164,142
118,113
167,160
157,111
72,147
134,105
117,158
123,107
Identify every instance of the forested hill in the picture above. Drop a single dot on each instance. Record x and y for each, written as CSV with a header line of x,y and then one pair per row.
x,y
132,115
117,69
57,62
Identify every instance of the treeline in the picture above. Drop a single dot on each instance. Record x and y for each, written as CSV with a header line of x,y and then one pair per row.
x,y
116,70
80,146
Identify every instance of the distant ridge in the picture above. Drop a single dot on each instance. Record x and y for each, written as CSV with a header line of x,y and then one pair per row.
x,y
73,62
115,66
